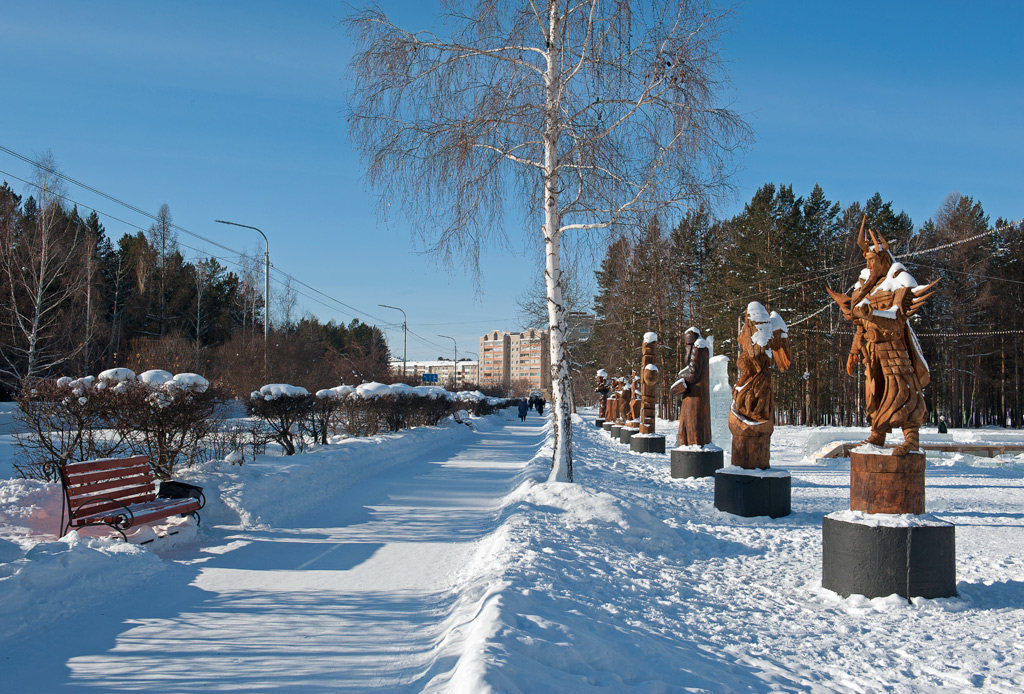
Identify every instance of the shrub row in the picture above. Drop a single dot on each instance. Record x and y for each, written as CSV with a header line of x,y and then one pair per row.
x,y
163,416
293,416
179,419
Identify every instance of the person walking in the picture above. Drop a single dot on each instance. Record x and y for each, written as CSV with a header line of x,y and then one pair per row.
x,y
540,406
523,409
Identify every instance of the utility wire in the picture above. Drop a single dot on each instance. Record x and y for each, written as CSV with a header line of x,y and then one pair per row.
x,y
131,207
176,227
975,237
198,251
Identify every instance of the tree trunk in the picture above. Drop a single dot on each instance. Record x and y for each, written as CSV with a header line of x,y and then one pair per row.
x,y
561,463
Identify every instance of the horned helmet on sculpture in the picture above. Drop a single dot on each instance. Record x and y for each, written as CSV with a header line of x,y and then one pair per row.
x,y
895,372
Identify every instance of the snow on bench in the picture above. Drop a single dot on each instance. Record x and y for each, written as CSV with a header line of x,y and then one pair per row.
x,y
119,493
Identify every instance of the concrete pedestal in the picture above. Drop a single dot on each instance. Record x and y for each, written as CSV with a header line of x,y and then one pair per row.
x,y
615,431
876,555
750,493
626,432
647,443
599,422
695,463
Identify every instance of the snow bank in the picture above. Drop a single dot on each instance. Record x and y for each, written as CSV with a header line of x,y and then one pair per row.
x,y
629,580
52,580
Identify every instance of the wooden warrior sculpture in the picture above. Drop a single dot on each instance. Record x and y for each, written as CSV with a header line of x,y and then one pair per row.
x,y
648,383
694,388
626,400
895,372
602,393
762,338
637,399
611,407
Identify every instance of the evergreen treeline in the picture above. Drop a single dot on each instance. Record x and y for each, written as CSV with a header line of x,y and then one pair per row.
x,y
783,250
75,303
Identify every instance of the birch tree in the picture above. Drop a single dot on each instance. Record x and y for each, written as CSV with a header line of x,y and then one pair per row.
x,y
591,114
43,262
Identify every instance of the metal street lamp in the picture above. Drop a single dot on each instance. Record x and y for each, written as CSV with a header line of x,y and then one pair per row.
x,y
266,293
455,367
405,334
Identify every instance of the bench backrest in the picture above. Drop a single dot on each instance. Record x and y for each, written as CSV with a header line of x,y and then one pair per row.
x,y
129,480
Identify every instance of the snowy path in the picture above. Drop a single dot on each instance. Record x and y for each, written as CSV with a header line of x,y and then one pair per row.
x,y
454,566
358,593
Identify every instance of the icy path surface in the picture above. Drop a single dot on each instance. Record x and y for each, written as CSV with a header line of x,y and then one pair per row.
x,y
364,591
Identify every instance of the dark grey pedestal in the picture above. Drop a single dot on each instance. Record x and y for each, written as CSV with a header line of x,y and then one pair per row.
x,y
647,444
875,561
599,422
607,426
695,463
750,495
625,433
615,431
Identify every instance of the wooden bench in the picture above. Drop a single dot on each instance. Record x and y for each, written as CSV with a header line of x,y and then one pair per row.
x,y
120,493
991,450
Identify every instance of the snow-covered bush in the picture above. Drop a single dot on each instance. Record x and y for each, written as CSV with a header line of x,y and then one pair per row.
x,y
324,413
166,417
63,420
163,416
480,404
285,410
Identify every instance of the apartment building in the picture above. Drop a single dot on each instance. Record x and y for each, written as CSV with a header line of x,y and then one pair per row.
x,y
467,372
581,326
515,359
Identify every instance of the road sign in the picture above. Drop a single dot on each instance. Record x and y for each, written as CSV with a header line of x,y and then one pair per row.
x,y
430,378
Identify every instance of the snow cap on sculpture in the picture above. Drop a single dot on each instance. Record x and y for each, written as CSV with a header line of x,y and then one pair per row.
x,y
758,315
763,338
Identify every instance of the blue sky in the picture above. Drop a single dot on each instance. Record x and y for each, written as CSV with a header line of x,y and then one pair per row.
x,y
234,110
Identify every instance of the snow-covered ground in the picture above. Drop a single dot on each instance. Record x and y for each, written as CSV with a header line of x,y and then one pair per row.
x,y
440,559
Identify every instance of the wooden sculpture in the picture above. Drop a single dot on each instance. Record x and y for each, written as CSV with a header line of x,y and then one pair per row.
x,y
762,339
694,388
602,390
637,398
626,402
648,383
895,372
612,403
622,401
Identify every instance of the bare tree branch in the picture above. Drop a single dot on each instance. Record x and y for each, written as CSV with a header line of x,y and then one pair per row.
x,y
518,100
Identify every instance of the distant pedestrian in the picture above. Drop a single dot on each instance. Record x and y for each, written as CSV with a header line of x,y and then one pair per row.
x,y
523,409
942,425
540,406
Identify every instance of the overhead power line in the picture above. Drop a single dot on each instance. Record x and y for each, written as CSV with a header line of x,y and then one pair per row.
x,y
176,227
975,237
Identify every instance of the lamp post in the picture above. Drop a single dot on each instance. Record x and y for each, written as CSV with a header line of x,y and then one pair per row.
x,y
455,366
405,334
266,293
